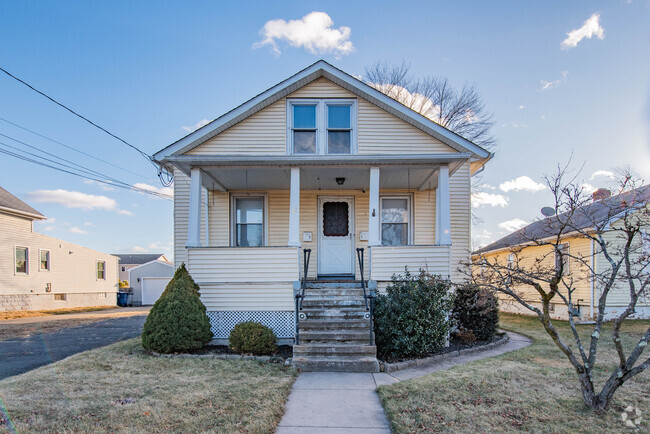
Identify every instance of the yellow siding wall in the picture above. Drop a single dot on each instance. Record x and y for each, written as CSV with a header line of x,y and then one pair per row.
x,y
264,133
459,196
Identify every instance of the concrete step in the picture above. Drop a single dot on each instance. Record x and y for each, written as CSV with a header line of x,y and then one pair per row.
x,y
333,336
335,313
339,350
356,292
335,285
334,324
336,364
333,302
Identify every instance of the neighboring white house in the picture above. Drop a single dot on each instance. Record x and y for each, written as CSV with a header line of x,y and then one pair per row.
x,y
149,280
320,161
130,260
38,272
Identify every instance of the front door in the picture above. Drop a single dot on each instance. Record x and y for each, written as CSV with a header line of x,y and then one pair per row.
x,y
335,235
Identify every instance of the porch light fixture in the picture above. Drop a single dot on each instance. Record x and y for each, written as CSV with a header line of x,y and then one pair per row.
x,y
340,181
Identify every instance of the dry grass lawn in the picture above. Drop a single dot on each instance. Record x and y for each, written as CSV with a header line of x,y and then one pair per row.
x,y
120,388
29,313
534,389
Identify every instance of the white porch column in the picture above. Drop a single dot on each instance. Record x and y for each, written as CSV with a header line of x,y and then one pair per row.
x,y
443,213
194,223
294,208
373,211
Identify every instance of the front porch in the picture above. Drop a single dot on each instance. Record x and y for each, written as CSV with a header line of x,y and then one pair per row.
x,y
249,220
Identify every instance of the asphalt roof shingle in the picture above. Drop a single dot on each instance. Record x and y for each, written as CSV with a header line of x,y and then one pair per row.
x,y
137,258
584,218
10,201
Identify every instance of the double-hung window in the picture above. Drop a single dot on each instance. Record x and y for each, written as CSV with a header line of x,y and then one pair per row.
x,y
249,221
645,251
101,270
22,260
322,126
395,221
45,260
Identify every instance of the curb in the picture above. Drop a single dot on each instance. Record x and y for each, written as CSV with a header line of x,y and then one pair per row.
x,y
262,359
399,366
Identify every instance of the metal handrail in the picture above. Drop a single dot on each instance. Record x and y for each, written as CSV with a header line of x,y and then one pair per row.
x,y
367,295
306,258
363,280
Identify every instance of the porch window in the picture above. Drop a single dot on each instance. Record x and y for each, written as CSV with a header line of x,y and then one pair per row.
x,y
395,220
304,129
249,221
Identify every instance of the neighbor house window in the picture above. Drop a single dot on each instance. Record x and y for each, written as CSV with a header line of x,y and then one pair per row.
x,y
511,261
248,221
123,268
59,297
322,126
645,250
45,260
101,270
22,260
395,220
562,254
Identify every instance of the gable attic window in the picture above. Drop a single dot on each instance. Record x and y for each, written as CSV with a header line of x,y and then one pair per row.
x,y
321,126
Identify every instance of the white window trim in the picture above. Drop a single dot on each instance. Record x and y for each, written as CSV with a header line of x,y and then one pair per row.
x,y
49,259
26,273
321,122
410,223
233,217
97,261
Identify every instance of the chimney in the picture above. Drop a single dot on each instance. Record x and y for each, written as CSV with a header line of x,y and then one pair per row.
x,y
601,193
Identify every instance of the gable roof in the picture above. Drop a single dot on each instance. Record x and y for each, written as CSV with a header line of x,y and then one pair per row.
x,y
301,79
596,212
10,203
137,258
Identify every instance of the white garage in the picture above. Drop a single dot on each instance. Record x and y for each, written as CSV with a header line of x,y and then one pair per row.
x,y
149,281
152,288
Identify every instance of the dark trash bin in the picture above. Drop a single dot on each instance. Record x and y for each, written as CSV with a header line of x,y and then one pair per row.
x,y
122,299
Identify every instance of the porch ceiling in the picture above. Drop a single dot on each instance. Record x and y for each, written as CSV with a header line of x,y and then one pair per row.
x,y
272,173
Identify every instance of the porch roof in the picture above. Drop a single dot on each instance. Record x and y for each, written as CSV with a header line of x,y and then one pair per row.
x,y
318,172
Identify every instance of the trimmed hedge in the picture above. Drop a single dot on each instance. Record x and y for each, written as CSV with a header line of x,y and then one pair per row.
x,y
178,321
411,318
476,310
251,337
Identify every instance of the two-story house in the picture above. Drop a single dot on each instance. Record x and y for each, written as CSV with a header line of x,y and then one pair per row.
x,y
292,182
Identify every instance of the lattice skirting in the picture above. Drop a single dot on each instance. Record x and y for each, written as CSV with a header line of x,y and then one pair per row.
x,y
282,323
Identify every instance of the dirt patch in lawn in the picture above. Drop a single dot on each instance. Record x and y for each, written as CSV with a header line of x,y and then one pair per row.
x,y
120,388
533,389
284,351
30,313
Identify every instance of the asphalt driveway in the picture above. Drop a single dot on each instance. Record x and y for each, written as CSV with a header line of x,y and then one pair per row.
x,y
24,354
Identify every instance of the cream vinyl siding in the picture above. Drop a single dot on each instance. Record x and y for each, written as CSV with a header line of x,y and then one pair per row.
x,y
389,260
460,190
248,297
72,271
181,216
264,133
425,217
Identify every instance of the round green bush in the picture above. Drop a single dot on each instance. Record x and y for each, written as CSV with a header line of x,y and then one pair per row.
x,y
411,320
251,337
178,321
476,310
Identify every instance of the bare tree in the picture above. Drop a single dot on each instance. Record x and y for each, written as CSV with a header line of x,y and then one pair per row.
x,y
461,111
617,227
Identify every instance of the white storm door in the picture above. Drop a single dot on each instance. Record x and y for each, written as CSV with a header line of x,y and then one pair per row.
x,y
335,235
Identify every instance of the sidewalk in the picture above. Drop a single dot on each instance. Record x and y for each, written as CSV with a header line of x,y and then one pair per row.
x,y
332,402
100,314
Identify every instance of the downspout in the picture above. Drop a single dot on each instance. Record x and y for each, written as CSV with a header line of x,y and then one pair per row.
x,y
207,217
591,280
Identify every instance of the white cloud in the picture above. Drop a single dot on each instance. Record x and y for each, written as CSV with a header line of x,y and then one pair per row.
x,y
199,124
521,107
481,198
76,199
523,183
546,85
139,249
606,173
89,224
589,29
101,185
415,101
588,188
313,32
519,125
76,230
512,225
166,191
487,186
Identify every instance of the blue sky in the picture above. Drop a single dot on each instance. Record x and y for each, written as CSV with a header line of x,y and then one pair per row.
x,y
144,70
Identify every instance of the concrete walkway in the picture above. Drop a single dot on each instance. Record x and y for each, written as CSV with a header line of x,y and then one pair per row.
x,y
333,402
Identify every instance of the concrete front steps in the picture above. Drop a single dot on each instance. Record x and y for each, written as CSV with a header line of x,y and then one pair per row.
x,y
335,330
